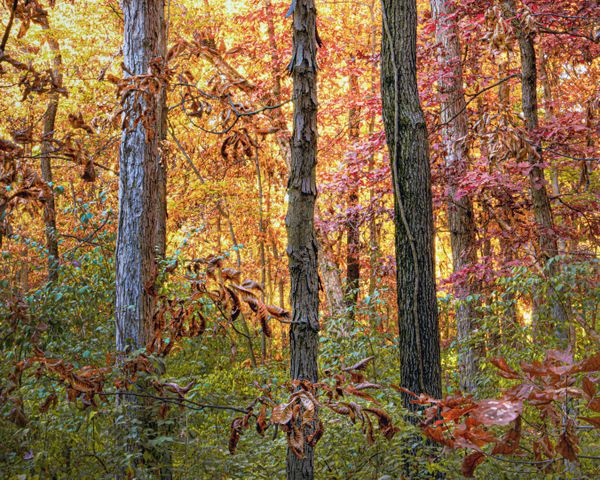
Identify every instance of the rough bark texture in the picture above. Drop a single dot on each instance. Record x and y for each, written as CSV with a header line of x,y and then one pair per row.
x,y
142,209
460,208
302,247
330,277
406,135
546,237
46,151
353,218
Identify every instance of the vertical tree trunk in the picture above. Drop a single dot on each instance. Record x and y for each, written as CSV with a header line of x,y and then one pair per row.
x,y
511,319
302,192
142,211
46,151
373,230
460,208
546,237
261,246
353,217
330,276
282,134
406,135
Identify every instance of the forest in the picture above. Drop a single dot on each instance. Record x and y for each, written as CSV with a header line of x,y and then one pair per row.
x,y
299,239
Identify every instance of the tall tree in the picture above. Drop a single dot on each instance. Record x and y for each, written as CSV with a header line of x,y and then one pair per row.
x,y
454,119
353,217
546,237
406,135
47,148
302,192
142,203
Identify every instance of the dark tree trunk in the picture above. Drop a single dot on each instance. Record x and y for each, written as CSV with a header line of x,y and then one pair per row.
x,y
142,213
302,191
353,218
406,135
46,151
546,237
460,208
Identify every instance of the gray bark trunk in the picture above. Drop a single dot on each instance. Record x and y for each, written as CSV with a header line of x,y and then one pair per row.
x,y
330,276
302,247
353,219
460,208
546,237
46,151
406,135
142,213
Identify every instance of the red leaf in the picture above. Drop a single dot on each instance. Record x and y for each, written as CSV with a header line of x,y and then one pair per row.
x,y
471,462
591,364
505,370
589,388
593,420
497,412
510,442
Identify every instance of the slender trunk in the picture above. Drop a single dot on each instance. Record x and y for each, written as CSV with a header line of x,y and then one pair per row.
x,y
373,230
330,276
406,135
302,192
353,217
46,151
511,319
546,238
261,246
282,135
141,230
459,206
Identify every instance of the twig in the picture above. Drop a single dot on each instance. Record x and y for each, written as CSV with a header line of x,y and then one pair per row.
x,y
179,401
8,27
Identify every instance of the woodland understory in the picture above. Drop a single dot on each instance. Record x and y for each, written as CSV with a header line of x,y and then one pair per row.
x,y
299,239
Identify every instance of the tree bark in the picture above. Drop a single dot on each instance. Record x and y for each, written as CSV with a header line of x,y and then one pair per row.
x,y
142,212
330,276
353,217
302,247
454,119
374,253
406,135
46,151
546,237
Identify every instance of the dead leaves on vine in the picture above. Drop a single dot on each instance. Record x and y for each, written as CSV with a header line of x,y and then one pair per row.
x,y
224,286
299,418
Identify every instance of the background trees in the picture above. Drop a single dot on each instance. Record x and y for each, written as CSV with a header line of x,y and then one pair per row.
x,y
230,116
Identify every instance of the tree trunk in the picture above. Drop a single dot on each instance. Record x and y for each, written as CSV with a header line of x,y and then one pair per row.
x,y
330,276
406,135
353,217
46,151
302,191
460,208
546,237
373,230
142,212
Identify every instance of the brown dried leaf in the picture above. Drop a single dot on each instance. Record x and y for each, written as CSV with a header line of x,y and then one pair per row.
x,y
505,370
471,462
595,421
359,365
282,414
510,441
497,412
